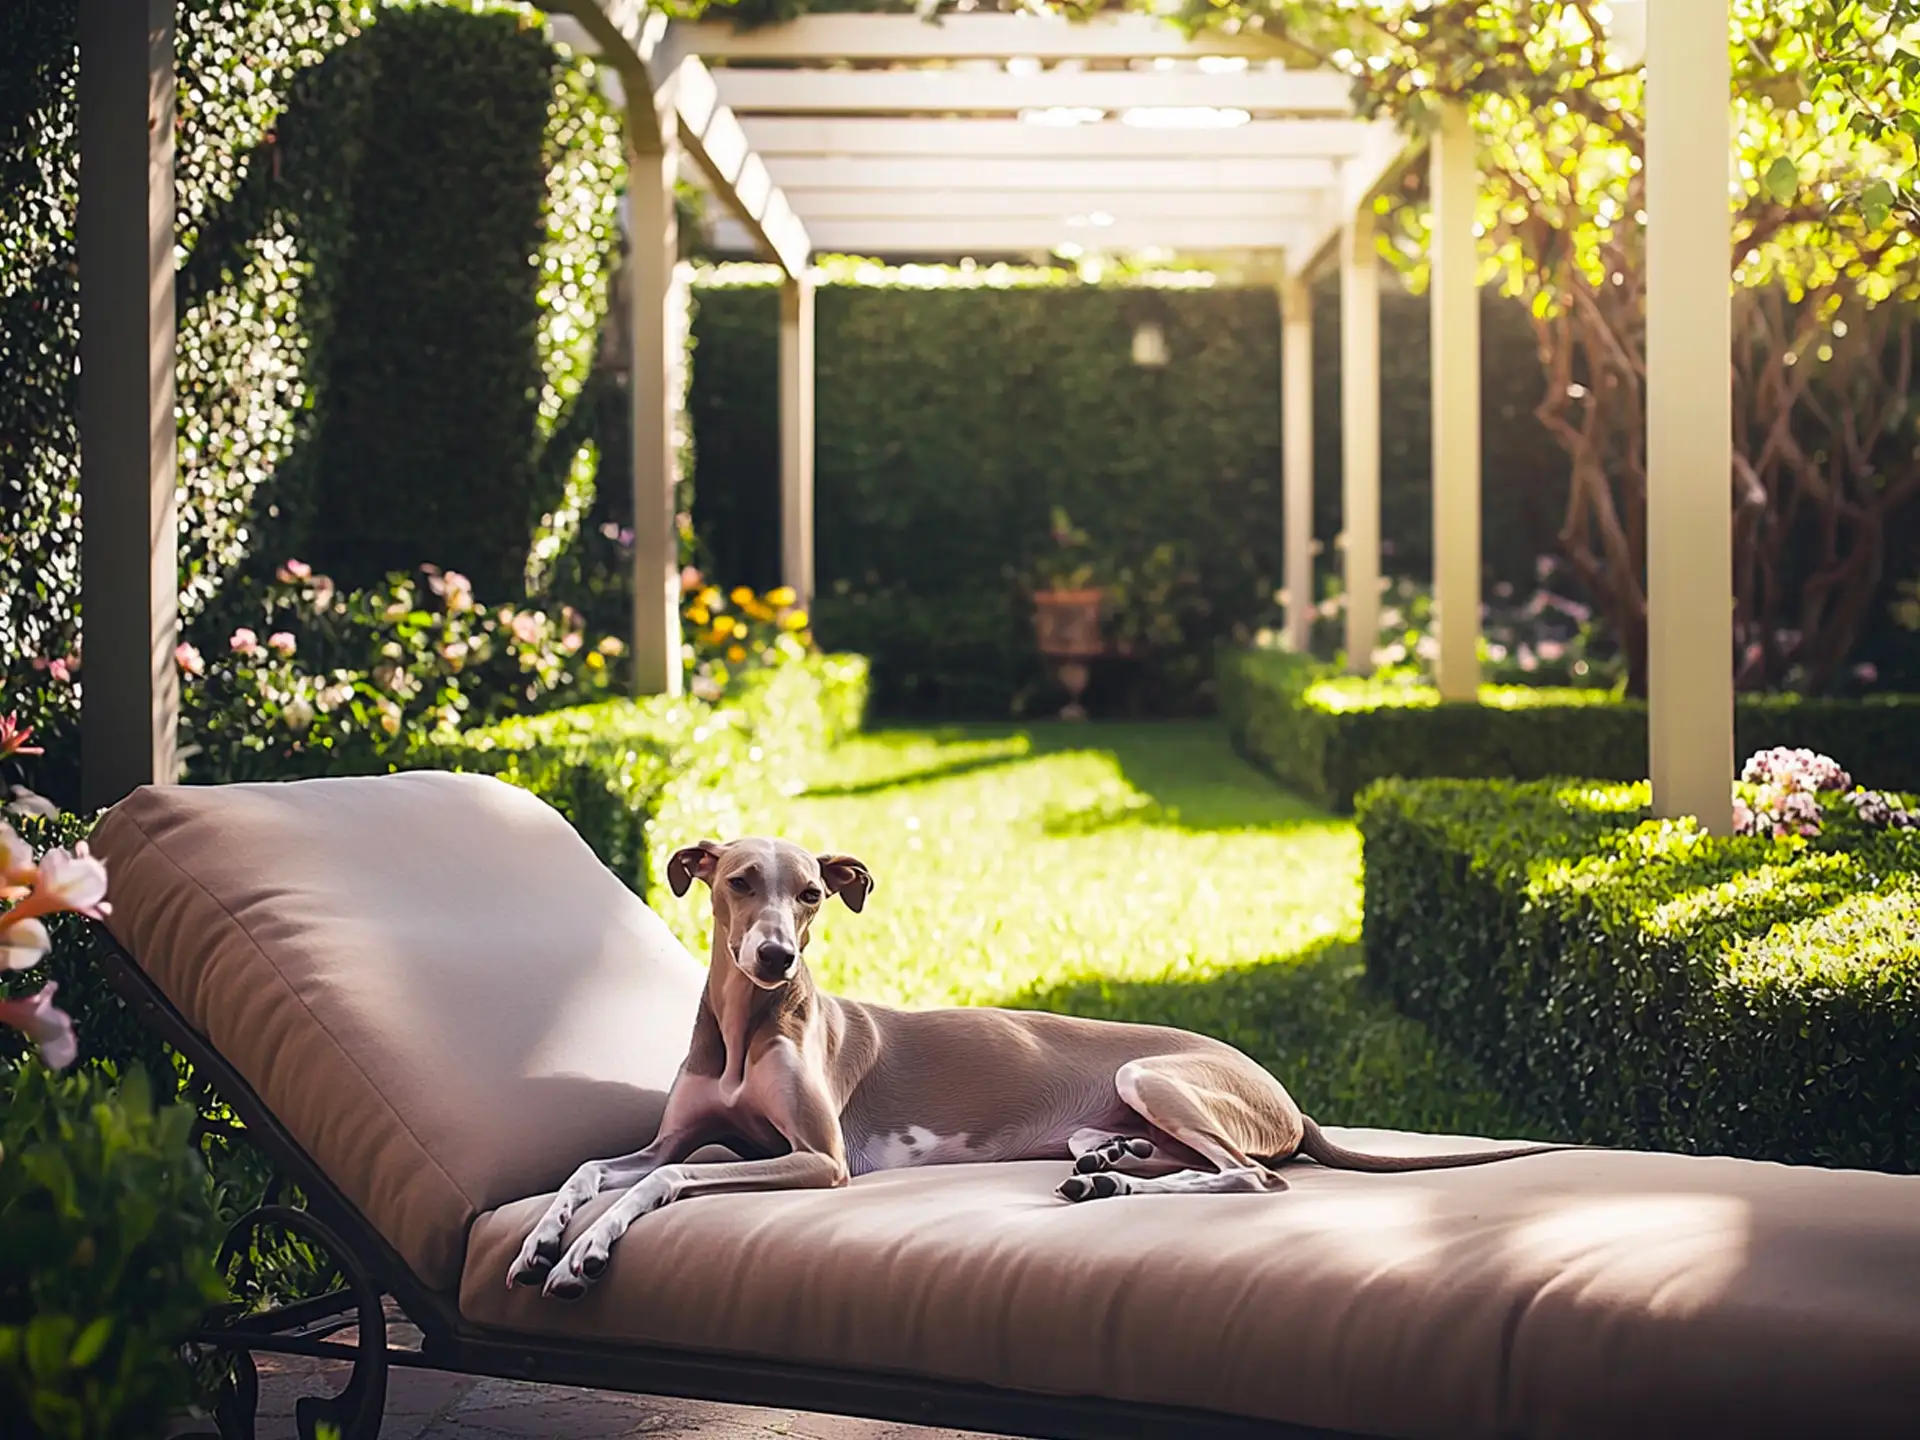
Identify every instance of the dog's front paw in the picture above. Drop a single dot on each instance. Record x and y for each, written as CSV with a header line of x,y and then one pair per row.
x,y
1102,1185
536,1258
585,1263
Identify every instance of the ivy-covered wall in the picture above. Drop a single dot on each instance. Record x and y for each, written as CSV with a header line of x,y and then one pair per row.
x,y
953,409
369,367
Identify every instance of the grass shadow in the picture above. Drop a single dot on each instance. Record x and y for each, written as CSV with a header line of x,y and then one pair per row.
x,y
1313,1021
1184,775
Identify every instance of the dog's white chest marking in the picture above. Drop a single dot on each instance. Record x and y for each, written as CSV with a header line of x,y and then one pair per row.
x,y
914,1145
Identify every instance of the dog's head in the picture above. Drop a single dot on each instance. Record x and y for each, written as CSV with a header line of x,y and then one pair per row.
x,y
765,895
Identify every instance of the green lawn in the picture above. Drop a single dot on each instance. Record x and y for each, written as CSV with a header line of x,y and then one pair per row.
x,y
1135,872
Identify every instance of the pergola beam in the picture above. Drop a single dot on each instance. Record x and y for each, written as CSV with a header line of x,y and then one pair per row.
x,y
1689,413
630,37
1023,236
963,37
1275,206
1003,139
986,92
999,177
129,567
796,437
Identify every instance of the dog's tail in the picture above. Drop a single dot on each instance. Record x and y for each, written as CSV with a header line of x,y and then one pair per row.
x,y
1315,1145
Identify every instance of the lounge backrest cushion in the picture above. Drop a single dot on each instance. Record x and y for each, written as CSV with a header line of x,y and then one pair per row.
x,y
429,979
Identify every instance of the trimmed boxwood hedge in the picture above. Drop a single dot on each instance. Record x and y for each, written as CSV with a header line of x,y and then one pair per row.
x,y
1635,982
1329,736
620,770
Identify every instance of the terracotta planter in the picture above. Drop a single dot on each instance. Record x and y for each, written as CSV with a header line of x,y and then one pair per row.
x,y
1066,626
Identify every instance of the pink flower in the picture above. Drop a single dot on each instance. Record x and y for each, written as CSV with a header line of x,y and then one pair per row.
x,y
23,944
293,570
244,642
455,588
14,737
74,880
1552,650
189,659
17,867
281,643
690,579
1742,818
526,627
61,670
48,1028
1866,672
25,802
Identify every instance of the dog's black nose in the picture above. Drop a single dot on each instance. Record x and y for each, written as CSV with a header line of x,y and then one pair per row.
x,y
775,960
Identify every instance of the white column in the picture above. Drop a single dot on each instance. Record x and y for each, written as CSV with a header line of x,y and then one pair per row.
x,y
796,436
129,570
1689,412
1296,445
657,328
1360,437
1456,406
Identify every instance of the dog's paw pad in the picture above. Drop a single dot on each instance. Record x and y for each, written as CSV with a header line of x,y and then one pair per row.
x,y
1139,1148
564,1285
593,1266
1101,1186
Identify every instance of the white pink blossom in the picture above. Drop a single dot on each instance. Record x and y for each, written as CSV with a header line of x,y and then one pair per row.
x,y
48,1028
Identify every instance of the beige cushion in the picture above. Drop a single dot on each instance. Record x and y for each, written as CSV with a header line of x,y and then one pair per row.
x,y
1598,1294
429,979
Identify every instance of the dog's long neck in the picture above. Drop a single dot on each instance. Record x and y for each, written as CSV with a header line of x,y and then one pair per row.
x,y
734,1011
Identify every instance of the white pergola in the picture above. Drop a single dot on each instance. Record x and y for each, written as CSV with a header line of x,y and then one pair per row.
x,y
990,135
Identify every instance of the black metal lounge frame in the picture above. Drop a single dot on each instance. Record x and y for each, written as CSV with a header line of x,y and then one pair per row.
x,y
373,1272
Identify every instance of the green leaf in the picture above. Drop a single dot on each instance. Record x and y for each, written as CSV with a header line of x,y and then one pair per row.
x,y
1876,204
92,1341
1782,179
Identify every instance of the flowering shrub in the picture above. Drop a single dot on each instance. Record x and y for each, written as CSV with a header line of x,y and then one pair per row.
x,y
734,633
1780,794
1546,639
335,679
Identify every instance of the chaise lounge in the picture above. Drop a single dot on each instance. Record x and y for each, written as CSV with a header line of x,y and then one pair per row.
x,y
429,1002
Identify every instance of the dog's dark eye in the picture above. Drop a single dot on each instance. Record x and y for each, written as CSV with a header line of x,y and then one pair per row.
x,y
810,895
738,885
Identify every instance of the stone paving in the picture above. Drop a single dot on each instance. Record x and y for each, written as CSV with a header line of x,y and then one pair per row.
x,y
429,1405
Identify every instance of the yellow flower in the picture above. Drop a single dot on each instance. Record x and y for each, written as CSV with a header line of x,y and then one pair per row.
x,y
595,660
795,620
698,614
736,653
782,597
741,596
757,610
709,598
724,625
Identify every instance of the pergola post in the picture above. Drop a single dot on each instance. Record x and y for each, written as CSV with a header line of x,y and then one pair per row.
x,y
796,436
658,340
129,572
1455,298
1360,436
1689,413
1296,463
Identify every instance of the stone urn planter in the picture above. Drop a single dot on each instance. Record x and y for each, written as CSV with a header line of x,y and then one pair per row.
x,y
1066,625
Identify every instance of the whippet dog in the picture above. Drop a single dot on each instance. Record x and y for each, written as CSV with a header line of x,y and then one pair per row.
x,y
813,1089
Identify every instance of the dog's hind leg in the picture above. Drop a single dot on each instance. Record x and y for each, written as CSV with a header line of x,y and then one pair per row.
x,y
1210,1106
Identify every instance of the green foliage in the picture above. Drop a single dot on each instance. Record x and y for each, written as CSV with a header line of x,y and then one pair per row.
x,y
355,224
1643,984
451,360
324,681
1329,736
613,769
957,407
107,1237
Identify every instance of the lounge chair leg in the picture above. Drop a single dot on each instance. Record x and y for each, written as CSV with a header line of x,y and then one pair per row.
x,y
239,1402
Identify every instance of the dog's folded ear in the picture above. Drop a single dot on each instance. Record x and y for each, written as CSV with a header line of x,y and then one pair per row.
x,y
697,861
848,878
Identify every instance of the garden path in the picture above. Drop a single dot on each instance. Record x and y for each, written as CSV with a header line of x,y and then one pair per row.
x,y
1138,872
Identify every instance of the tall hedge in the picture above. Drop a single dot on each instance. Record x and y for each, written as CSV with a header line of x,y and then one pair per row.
x,y
395,225
954,409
